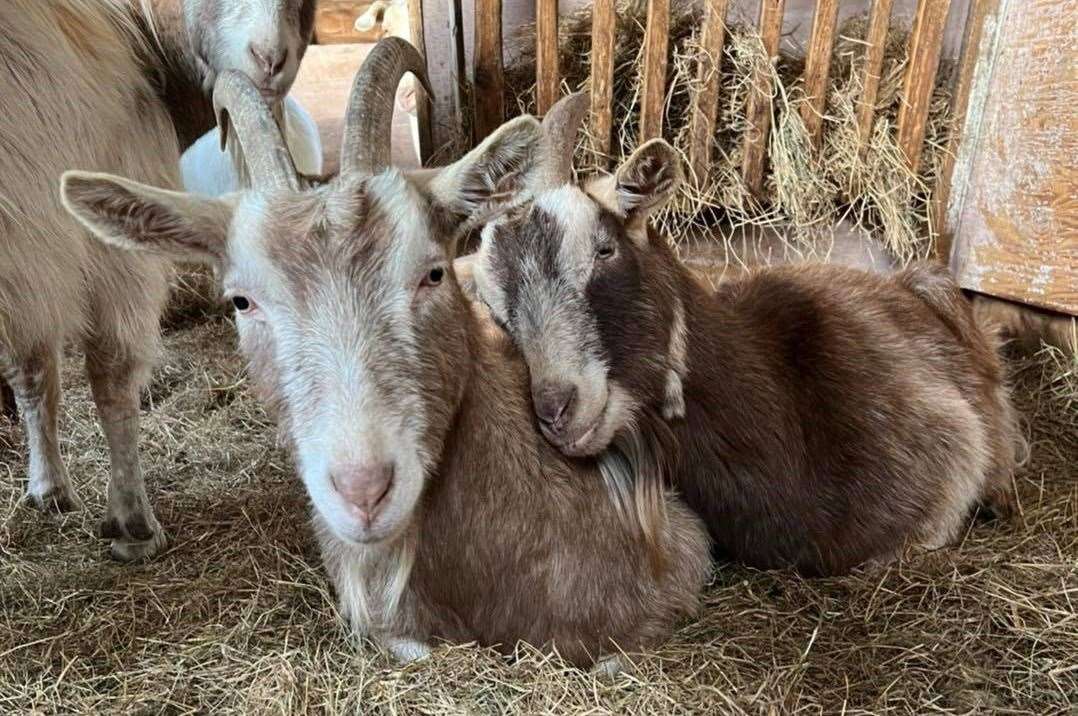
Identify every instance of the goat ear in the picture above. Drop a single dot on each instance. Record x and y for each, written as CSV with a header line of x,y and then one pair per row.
x,y
133,216
489,176
647,179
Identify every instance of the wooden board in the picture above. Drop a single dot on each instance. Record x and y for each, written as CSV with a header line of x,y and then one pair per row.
x,y
547,76
926,42
334,22
489,82
1014,200
603,34
876,38
656,40
758,114
818,67
705,102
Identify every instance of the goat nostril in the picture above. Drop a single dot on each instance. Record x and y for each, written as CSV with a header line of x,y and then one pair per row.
x,y
270,61
364,488
553,405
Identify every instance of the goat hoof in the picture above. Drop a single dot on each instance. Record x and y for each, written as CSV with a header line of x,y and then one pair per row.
x,y
126,550
56,499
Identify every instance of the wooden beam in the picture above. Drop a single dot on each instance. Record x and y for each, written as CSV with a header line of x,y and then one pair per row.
x,y
758,114
603,31
705,102
489,83
656,39
876,38
818,68
926,43
960,108
422,101
547,76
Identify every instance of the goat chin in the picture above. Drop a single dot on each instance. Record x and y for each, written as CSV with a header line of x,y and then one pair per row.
x,y
208,170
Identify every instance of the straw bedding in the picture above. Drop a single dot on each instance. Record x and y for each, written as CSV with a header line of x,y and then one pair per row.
x,y
237,615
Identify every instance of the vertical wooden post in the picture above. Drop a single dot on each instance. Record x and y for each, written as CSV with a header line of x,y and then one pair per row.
x,y
489,82
705,103
440,29
878,24
960,108
818,67
603,30
546,54
926,42
464,110
656,39
758,114
422,101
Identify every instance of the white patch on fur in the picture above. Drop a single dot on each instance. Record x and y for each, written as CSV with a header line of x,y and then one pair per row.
x,y
674,399
407,651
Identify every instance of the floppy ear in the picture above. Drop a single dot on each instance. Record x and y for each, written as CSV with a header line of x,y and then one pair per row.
x,y
133,216
647,179
487,177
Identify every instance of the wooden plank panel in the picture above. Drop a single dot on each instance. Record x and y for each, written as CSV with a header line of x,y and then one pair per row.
x,y
758,114
656,40
705,103
878,23
972,54
547,76
1017,225
422,101
489,83
818,67
926,42
603,29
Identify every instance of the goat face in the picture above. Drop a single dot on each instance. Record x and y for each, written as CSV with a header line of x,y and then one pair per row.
x,y
347,308
264,39
569,277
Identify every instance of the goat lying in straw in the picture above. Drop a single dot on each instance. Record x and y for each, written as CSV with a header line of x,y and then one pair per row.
x,y
825,416
441,512
106,85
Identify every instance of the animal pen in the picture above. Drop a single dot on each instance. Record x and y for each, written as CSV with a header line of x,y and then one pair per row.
x,y
968,157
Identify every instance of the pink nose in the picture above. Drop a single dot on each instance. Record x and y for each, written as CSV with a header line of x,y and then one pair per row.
x,y
269,59
364,488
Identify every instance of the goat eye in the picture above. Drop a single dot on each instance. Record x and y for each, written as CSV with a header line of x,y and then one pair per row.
x,y
605,252
433,277
242,304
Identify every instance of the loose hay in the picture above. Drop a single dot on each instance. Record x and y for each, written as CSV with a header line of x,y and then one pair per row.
x,y
806,192
237,616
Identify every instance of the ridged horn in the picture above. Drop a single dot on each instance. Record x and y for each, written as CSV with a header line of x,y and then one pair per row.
x,y
367,124
557,140
237,102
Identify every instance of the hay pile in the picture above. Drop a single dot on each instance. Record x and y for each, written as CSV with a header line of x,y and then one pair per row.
x,y
237,616
806,192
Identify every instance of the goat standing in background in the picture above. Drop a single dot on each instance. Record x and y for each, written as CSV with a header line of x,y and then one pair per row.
x,y
106,85
441,512
825,416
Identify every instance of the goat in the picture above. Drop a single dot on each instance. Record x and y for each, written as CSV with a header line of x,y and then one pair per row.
x,y
440,512
106,85
825,416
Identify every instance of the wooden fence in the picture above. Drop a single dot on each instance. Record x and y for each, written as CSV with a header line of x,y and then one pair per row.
x,y
925,45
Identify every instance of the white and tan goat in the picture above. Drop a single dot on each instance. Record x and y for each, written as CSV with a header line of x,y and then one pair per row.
x,y
106,85
441,512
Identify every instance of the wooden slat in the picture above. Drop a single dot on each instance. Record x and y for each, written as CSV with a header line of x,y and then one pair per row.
x,y
960,109
758,114
656,39
603,29
546,54
926,42
818,67
464,112
422,101
876,38
489,84
705,103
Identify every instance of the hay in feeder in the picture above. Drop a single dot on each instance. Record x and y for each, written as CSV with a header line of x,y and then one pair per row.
x,y
806,192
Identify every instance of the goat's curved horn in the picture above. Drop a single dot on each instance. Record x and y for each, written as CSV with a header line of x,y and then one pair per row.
x,y
237,101
366,140
557,140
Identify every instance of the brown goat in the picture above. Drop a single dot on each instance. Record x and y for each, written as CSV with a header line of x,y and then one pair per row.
x,y
105,85
825,416
441,512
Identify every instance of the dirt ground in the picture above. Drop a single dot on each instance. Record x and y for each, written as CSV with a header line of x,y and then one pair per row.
x,y
237,615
